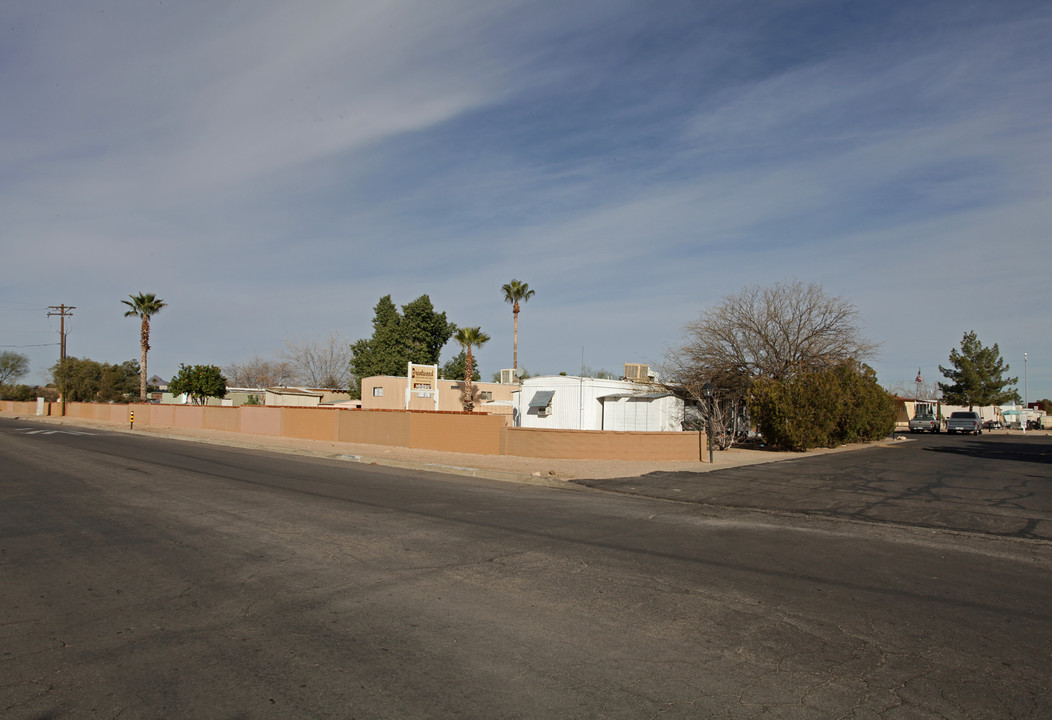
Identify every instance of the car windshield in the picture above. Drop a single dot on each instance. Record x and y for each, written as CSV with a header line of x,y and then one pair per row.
x,y
966,415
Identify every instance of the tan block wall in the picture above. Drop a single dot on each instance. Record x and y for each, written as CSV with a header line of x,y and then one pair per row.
x,y
452,432
20,408
604,445
373,427
189,416
260,420
309,423
162,415
457,432
80,410
227,419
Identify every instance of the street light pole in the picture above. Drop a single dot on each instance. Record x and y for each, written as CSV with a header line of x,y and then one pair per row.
x,y
1025,389
707,391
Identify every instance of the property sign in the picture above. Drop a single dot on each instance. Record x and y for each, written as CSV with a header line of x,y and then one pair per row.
x,y
423,383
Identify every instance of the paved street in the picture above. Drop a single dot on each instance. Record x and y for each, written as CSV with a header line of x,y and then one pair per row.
x,y
145,577
999,485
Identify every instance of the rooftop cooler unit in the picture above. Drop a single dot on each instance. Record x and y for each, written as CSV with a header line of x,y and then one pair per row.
x,y
637,372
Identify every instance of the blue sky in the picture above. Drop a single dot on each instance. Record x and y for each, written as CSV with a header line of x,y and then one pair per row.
x,y
272,169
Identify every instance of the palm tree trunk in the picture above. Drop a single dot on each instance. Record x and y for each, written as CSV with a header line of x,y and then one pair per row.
x,y
515,354
145,340
469,370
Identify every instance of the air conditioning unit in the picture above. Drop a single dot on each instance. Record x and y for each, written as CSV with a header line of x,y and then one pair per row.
x,y
637,372
508,377
544,411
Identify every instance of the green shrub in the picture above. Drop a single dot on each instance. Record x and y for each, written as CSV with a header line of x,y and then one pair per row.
x,y
825,408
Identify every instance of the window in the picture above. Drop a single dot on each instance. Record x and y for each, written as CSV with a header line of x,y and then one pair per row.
x,y
378,392
487,395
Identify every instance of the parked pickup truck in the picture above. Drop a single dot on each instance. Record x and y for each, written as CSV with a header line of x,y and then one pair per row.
x,y
925,422
964,421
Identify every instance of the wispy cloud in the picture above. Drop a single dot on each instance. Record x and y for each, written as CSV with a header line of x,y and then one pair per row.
x,y
272,170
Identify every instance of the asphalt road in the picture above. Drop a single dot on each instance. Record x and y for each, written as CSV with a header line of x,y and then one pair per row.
x,y
149,578
998,485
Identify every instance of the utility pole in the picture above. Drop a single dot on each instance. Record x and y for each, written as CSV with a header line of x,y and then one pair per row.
x,y
63,311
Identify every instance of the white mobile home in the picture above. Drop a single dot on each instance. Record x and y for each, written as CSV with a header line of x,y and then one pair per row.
x,y
579,403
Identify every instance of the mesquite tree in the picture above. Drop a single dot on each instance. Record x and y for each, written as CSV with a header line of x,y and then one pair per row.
x,y
773,333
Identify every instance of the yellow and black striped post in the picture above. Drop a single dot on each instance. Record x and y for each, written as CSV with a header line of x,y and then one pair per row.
x,y
131,419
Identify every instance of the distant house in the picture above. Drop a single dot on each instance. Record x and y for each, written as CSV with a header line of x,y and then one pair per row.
x,y
580,403
276,396
292,397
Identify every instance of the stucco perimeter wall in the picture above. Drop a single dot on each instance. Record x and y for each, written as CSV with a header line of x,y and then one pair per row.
x,y
227,419
449,432
604,445
260,420
309,423
456,432
374,427
21,408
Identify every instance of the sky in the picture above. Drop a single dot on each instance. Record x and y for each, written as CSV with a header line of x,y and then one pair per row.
x,y
271,169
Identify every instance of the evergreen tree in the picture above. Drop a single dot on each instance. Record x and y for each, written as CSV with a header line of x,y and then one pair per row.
x,y
416,335
976,375
456,367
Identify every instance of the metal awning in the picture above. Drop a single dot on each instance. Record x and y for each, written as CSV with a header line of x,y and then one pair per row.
x,y
635,396
542,398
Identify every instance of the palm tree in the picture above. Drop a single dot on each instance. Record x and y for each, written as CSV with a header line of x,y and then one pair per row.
x,y
514,293
468,338
144,305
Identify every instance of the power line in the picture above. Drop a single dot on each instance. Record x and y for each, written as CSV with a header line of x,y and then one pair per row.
x,y
25,346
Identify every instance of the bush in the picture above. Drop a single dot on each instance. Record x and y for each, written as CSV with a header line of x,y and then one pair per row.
x,y
825,408
200,382
27,393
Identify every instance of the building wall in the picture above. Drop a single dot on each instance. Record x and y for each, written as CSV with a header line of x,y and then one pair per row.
x,y
626,414
291,399
393,395
577,404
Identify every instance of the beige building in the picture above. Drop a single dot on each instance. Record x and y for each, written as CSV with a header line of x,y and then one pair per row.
x,y
384,392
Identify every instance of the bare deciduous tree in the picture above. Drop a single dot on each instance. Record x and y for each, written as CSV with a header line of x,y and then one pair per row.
x,y
259,373
320,363
771,332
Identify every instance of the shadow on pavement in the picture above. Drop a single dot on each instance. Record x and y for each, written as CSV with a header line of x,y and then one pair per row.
x,y
1040,451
